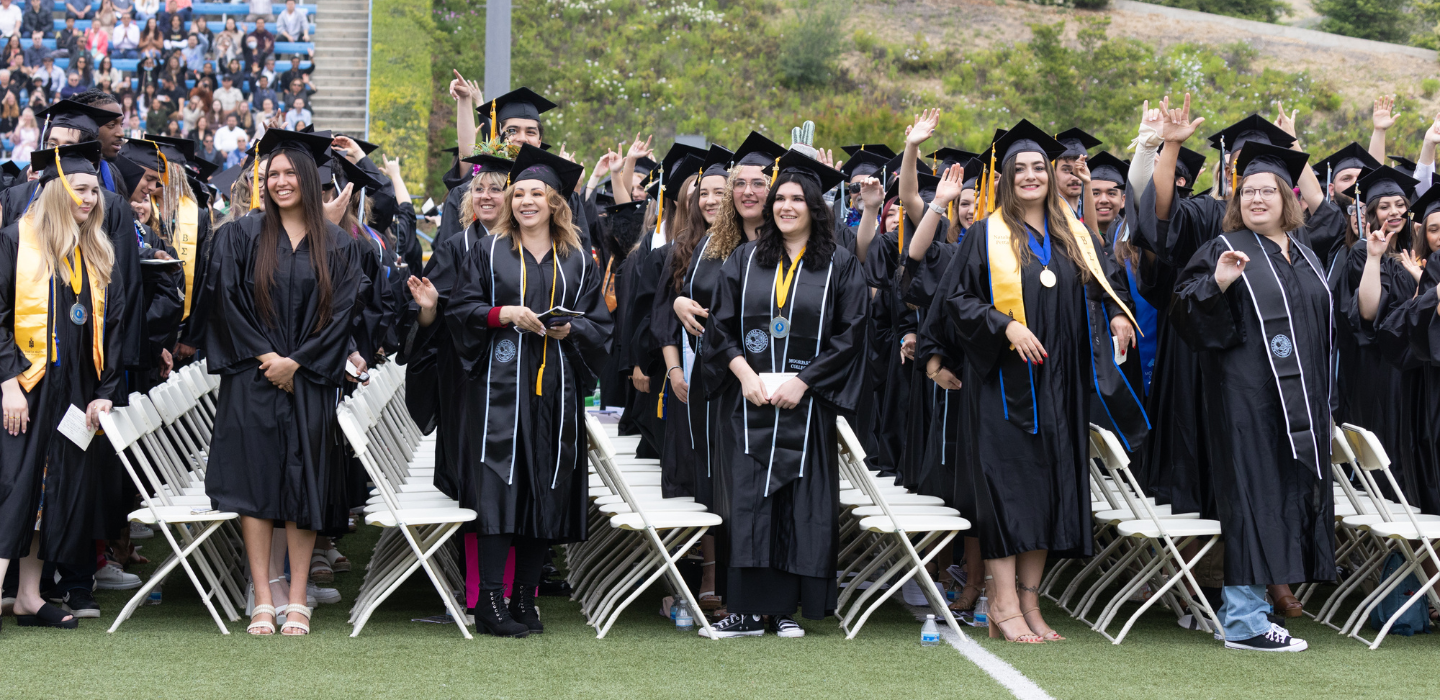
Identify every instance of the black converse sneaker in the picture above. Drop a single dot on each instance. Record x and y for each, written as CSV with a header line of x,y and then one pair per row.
x,y
1277,639
737,626
786,626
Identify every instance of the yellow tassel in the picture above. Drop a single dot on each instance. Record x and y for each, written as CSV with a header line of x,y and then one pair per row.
x,y
255,182
493,125
660,404
950,211
61,170
775,172
901,230
660,201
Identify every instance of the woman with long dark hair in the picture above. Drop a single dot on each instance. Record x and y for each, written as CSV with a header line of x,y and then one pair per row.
x,y
528,322
60,316
1032,293
783,355
277,335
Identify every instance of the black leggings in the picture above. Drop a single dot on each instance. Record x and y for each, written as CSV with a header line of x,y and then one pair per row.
x,y
493,550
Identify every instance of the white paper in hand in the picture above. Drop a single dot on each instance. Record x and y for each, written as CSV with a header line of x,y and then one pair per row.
x,y
1122,351
773,380
73,426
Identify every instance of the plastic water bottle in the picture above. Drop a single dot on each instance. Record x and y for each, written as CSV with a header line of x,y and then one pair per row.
x,y
982,612
674,608
154,597
683,619
929,634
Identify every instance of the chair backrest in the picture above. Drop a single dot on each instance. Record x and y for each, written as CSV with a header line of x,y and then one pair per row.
x,y
1340,456
120,429
853,456
1105,447
602,457
1372,458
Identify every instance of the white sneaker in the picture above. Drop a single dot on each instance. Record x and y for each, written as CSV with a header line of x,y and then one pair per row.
x,y
1277,639
140,531
113,578
786,626
320,595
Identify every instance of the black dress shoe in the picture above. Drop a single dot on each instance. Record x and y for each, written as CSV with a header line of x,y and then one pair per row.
x,y
492,617
523,610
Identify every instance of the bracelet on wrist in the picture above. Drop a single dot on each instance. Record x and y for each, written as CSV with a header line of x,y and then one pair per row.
x,y
936,207
675,367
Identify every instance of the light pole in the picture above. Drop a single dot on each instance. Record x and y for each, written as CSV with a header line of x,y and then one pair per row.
x,y
497,48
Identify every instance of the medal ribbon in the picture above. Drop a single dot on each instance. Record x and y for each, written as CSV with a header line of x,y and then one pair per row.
x,y
782,284
1041,250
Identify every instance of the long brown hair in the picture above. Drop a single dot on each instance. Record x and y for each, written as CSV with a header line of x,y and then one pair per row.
x,y
562,224
728,231
682,250
317,234
1013,212
1291,215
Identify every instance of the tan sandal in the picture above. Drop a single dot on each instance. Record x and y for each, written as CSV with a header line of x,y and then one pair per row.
x,y
997,633
291,623
963,604
1051,636
266,626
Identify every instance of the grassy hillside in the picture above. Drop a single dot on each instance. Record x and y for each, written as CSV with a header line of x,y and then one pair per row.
x,y
720,69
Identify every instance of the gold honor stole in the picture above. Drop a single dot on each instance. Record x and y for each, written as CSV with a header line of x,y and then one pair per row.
x,y
187,241
32,309
1005,288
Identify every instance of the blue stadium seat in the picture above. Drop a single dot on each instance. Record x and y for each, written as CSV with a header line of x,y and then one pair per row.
x,y
220,8
127,65
81,24
283,48
48,43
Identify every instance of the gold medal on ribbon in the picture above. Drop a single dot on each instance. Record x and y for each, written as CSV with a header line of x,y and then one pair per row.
x,y
779,325
1047,277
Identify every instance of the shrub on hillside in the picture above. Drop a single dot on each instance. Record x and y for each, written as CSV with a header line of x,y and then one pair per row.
x,y
1380,20
809,44
1260,10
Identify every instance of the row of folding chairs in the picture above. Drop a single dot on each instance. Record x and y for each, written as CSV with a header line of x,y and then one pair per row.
x,y
162,439
418,520
636,535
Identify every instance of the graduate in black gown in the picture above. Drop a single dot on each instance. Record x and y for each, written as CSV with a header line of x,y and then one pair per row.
x,y
60,345
522,454
286,292
163,294
1254,304
790,304
1031,292
1395,309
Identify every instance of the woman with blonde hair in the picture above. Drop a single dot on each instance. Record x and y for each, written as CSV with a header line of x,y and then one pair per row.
x,y
528,322
59,351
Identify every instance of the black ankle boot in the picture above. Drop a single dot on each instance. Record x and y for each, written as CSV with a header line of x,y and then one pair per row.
x,y
492,617
523,610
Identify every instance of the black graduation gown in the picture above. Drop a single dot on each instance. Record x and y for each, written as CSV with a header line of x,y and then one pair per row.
x,y
1277,515
621,226
1027,491
916,290
635,295
522,455
450,223
891,385
41,459
270,454
779,494
936,280
163,296
1409,337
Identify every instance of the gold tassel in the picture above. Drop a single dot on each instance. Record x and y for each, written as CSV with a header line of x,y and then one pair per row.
x,y
254,182
660,202
493,125
775,172
660,404
61,170
901,230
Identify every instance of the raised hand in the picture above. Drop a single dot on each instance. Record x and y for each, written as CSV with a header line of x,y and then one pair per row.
x,y
1413,264
423,292
1432,135
825,157
1377,242
640,149
1229,267
923,128
872,194
335,208
952,182
1154,118
1178,127
1286,122
1384,114
606,164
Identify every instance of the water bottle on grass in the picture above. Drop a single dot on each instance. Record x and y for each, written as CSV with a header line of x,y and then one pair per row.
x,y
982,612
929,634
683,619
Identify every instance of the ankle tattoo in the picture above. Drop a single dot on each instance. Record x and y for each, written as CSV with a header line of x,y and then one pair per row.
x,y
1027,589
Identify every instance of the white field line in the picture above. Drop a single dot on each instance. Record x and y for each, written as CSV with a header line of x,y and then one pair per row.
x,y
1003,673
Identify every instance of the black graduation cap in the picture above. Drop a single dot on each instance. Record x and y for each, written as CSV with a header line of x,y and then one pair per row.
x,y
202,169
892,167
926,185
1076,142
677,155
182,150
645,165
521,103
863,163
795,162
1104,166
143,153
225,179
758,150
972,173
9,171
1264,158
1351,156
75,158
70,114
946,157
1383,181
717,161
356,176
311,144
675,176
1405,165
453,150
1023,138
1252,128
1427,204
534,164
1189,164
878,149
488,163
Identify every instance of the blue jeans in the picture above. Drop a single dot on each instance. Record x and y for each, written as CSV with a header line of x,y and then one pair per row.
x,y
125,53
1244,613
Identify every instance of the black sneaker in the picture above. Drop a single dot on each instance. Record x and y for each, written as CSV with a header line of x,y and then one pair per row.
x,y
737,626
80,603
1277,639
786,626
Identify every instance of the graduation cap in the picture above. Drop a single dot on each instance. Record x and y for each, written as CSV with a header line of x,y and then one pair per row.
x,y
1351,156
145,154
1076,142
309,144
1383,181
1427,204
972,173
534,164
8,172
225,179
1265,158
677,155
70,114
1023,138
892,167
1189,164
521,103
675,176
1104,166
717,161
758,150
797,163
1404,165
202,169
182,150
70,160
946,157
1252,128
925,183
863,163
878,149
486,163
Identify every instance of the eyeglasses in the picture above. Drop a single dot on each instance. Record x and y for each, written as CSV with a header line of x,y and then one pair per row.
x,y
1262,192
752,184
853,188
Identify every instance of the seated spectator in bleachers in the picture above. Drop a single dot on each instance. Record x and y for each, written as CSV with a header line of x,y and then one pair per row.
x,y
235,70
70,41
25,138
174,70
226,49
228,96
193,54
40,17
37,52
298,116
175,94
207,151
263,115
177,8
260,92
208,77
72,86
16,64
38,100
194,109
161,107
120,6
50,74
109,78
145,9
237,156
244,117
82,66
297,90
11,16
292,24
202,126
12,49
148,73
268,68
96,41
125,39
128,105
9,111
75,9
133,128
264,45
152,40
199,28
174,34
295,72
260,9
173,127
229,135
107,17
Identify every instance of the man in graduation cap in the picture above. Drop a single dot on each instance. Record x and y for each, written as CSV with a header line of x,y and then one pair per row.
x,y
1108,176
1071,166
111,135
515,117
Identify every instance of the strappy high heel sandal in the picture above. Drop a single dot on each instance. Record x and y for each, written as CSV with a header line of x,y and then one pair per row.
x,y
1051,636
962,602
267,626
997,633
292,623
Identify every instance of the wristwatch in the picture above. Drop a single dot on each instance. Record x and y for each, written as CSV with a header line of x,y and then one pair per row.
x,y
936,208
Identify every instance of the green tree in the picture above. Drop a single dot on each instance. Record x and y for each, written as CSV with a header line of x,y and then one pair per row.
x,y
810,42
1380,20
1260,10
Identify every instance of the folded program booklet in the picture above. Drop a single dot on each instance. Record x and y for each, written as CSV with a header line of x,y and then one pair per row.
x,y
559,316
